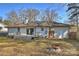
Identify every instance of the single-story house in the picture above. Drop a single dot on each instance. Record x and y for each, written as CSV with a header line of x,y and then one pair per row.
x,y
39,28
3,30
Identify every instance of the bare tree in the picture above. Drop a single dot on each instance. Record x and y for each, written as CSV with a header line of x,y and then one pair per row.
x,y
32,14
22,15
50,15
12,16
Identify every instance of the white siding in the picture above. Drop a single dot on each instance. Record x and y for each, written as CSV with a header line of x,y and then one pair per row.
x,y
12,31
43,33
61,32
23,31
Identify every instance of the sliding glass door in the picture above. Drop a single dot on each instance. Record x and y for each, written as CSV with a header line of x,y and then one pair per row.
x,y
30,31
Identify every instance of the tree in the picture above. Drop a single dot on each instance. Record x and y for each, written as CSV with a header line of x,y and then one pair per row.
x,y
7,22
22,15
73,9
1,19
32,14
12,16
50,16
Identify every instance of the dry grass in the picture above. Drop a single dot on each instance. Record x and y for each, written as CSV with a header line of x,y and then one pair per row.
x,y
12,47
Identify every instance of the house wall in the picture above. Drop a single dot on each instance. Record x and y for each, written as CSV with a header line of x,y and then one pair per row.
x,y
73,32
43,33
23,31
61,32
12,31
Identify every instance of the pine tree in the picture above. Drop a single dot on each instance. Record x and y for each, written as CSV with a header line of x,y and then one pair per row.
x,y
73,10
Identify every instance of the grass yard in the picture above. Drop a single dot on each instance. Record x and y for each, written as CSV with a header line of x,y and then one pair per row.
x,y
11,47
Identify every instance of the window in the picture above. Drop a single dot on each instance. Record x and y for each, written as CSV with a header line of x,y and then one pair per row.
x,y
30,31
42,29
27,31
18,32
46,32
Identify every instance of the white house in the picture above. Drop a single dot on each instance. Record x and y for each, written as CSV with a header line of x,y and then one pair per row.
x,y
42,29
2,28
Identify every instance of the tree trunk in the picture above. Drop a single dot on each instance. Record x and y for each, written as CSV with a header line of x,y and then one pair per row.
x,y
49,33
77,33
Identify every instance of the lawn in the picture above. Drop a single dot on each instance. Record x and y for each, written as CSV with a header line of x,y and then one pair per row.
x,y
37,47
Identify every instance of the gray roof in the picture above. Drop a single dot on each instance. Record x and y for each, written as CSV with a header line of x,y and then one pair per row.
x,y
40,24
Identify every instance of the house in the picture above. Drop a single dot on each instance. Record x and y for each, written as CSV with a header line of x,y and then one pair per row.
x,y
73,32
3,30
39,28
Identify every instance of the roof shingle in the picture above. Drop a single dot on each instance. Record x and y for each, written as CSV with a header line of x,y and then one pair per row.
x,y
39,24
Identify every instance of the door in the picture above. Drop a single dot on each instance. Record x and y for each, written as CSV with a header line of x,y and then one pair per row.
x,y
30,31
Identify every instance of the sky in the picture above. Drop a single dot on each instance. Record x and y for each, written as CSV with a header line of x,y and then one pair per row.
x,y
60,8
